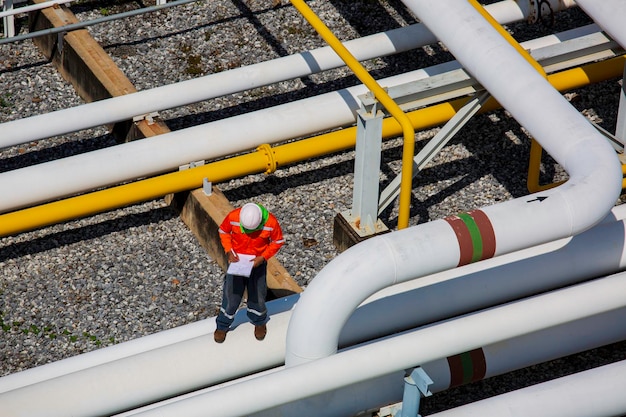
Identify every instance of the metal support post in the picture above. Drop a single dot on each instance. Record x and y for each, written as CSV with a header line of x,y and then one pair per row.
x,y
446,133
416,385
364,213
8,21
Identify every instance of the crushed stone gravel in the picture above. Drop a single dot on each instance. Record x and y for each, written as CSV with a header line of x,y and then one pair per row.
x,y
116,276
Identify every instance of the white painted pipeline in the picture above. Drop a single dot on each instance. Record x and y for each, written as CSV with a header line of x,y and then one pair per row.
x,y
115,372
490,282
33,7
609,14
401,352
215,85
128,349
589,194
499,358
56,179
538,347
153,375
129,161
598,392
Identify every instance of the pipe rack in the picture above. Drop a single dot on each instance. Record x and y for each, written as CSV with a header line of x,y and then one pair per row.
x,y
571,211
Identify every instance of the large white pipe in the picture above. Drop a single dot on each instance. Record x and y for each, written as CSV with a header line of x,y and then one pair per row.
x,y
492,360
598,392
59,178
32,7
134,348
593,188
538,347
84,172
402,352
609,14
491,282
115,372
596,252
227,82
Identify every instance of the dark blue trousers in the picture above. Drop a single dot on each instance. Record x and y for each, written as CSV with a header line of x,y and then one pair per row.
x,y
233,290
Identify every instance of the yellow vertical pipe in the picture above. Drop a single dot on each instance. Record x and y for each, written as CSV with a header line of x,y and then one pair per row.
x,y
382,96
532,182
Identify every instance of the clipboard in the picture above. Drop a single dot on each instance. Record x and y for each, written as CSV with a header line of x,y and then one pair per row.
x,y
242,268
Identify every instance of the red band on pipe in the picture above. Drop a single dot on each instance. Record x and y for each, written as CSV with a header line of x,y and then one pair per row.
x,y
466,247
486,232
467,367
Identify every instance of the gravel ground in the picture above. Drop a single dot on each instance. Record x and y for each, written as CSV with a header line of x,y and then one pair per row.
x,y
94,282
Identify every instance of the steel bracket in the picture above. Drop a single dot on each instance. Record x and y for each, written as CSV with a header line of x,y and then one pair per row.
x,y
191,165
416,385
148,117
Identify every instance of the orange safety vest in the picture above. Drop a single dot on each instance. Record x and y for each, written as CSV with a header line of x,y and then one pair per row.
x,y
265,242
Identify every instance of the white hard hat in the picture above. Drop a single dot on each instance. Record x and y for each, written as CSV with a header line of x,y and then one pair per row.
x,y
250,216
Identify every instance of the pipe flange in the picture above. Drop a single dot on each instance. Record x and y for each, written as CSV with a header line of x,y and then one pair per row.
x,y
533,11
270,155
546,13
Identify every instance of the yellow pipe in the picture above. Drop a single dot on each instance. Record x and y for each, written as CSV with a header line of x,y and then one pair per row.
x,y
257,162
574,78
385,100
534,164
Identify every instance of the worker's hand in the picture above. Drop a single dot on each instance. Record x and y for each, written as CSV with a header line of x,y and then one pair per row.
x,y
258,261
232,257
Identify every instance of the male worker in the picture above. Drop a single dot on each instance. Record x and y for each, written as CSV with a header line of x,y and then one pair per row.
x,y
249,230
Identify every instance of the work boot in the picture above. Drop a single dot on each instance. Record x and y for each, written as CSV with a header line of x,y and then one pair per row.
x,y
219,336
260,332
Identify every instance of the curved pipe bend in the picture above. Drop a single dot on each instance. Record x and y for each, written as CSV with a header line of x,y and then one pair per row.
x,y
584,200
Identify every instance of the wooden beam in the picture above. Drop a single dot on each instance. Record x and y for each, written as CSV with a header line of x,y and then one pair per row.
x,y
203,214
95,76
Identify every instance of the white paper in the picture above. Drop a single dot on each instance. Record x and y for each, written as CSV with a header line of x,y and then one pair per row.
x,y
243,267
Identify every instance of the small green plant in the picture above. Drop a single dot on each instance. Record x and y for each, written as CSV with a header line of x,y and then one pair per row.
x,y
49,332
5,100
194,64
104,11
293,30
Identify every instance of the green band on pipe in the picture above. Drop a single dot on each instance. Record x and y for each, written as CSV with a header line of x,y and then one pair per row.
x,y
468,367
474,231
